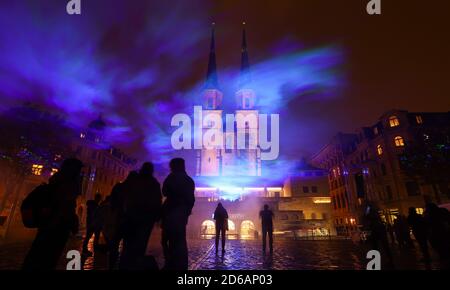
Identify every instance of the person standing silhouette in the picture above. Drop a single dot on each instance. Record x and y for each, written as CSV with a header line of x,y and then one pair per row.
x,y
142,208
178,188
266,216
53,235
420,232
221,218
114,226
91,228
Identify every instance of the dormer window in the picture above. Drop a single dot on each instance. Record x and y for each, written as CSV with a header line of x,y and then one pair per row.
x,y
393,121
419,119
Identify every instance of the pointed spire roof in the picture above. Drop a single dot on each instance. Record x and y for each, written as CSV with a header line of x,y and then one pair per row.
x,y
211,75
244,77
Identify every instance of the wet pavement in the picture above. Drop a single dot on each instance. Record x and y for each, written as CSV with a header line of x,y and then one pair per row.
x,y
247,254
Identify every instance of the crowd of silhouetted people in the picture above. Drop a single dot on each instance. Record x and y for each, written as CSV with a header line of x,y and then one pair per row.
x,y
127,215
431,228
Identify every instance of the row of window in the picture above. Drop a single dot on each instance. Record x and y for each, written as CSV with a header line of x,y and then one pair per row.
x,y
394,121
301,216
412,189
307,189
336,183
309,173
36,169
398,141
107,163
346,221
339,201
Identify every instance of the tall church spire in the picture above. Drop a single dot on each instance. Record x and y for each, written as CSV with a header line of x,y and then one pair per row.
x,y
244,77
246,98
211,75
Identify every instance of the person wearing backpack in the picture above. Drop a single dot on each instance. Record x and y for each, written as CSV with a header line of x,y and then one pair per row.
x,y
55,207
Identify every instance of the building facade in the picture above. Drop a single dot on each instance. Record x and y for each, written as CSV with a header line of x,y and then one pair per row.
x,y
374,165
234,175
104,166
332,159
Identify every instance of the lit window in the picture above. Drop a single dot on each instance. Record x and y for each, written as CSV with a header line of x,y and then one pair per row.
x,y
393,121
379,149
54,170
36,169
419,210
419,119
399,142
82,135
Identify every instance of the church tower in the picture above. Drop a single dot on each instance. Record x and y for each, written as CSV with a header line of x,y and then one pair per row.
x,y
209,160
241,155
248,153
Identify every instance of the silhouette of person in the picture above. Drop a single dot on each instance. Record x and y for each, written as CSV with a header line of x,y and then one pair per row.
x,y
266,216
221,218
114,223
438,220
398,230
378,233
178,188
420,232
52,236
391,232
142,208
91,225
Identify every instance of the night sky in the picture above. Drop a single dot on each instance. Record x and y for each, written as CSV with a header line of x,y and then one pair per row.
x,y
324,66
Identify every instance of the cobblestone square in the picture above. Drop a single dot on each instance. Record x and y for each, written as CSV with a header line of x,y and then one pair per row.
x,y
247,255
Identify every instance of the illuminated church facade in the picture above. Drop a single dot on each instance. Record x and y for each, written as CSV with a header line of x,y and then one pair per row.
x,y
233,175
228,160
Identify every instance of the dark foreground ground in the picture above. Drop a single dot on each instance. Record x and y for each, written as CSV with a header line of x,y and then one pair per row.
x,y
247,254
